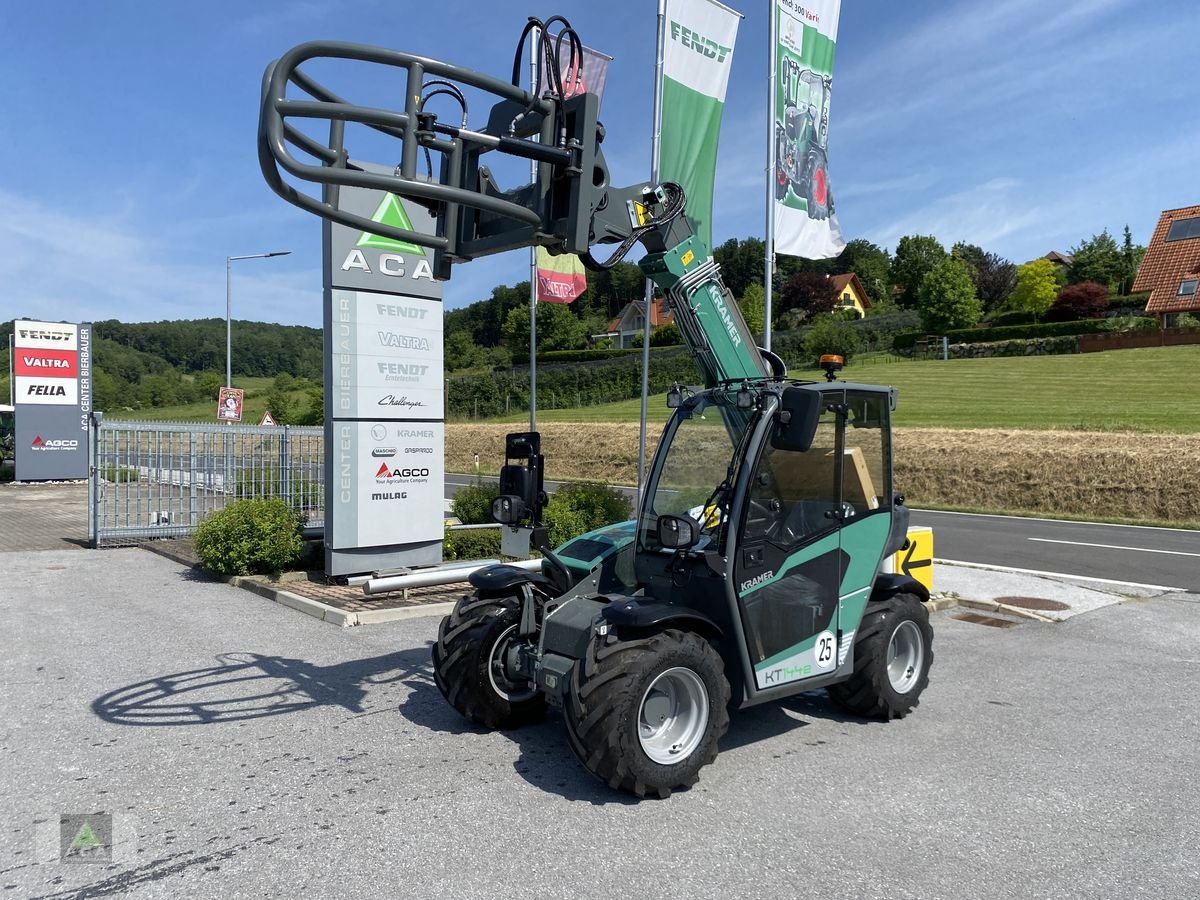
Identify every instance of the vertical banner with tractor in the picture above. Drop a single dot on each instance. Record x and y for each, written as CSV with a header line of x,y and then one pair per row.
x,y
697,56
805,37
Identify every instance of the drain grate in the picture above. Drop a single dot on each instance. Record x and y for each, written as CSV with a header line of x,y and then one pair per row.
x,y
1033,603
992,621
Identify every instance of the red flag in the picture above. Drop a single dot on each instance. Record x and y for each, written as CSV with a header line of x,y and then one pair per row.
x,y
560,279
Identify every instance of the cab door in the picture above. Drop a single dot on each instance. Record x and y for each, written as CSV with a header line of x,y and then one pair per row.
x,y
789,562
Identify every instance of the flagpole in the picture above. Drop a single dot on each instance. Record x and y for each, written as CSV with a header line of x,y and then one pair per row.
x,y
648,302
533,177
769,244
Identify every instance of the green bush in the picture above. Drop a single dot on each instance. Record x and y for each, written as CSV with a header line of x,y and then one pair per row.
x,y
118,474
1129,323
1000,319
474,543
250,537
1015,332
584,506
472,504
267,483
828,335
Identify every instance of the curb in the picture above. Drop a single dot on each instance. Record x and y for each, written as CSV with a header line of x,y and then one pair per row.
x,y
314,608
993,606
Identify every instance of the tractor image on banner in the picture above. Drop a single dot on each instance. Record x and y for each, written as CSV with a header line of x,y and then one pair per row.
x,y
805,223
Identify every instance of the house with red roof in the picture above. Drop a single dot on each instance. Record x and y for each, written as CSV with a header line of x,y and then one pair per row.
x,y
631,321
1170,270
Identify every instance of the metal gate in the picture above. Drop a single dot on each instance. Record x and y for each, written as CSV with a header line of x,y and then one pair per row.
x,y
160,479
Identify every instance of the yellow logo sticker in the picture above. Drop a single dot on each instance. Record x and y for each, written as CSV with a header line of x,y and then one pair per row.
x,y
687,258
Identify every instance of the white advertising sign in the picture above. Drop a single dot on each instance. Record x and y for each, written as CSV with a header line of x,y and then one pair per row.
x,y
46,391
45,335
387,475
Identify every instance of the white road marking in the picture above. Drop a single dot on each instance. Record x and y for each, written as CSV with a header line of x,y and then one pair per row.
x,y
1112,547
1137,584
949,512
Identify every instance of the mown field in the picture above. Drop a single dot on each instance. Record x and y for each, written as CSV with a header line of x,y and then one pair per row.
x,y
1112,436
1154,389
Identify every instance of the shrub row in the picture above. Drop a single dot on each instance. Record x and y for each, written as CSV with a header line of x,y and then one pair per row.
x,y
567,385
1046,329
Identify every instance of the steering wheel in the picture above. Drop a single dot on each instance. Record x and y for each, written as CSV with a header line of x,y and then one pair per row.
x,y
764,518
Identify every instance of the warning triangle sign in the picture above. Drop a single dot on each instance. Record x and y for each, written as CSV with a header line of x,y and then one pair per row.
x,y
389,212
267,419
85,841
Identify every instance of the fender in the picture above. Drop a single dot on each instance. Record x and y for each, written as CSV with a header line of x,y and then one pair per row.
x,y
632,613
889,585
503,577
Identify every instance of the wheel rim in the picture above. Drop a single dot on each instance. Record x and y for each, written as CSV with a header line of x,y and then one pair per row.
x,y
673,716
513,692
820,186
906,656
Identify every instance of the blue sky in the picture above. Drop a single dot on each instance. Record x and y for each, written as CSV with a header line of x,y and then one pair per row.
x,y
128,169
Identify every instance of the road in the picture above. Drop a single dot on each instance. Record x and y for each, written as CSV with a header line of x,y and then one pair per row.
x,y
1163,557
245,750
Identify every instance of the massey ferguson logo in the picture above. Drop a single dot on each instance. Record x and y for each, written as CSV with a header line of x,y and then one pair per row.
x,y
386,472
40,443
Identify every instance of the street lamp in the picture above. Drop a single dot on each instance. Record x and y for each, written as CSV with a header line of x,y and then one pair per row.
x,y
229,306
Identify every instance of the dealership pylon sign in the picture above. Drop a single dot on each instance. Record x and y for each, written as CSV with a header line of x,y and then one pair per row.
x,y
52,381
384,397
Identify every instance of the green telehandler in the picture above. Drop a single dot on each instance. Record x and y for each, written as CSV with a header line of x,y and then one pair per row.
x,y
753,570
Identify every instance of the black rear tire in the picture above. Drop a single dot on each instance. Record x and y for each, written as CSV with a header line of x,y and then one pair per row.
x,y
900,623
618,682
468,664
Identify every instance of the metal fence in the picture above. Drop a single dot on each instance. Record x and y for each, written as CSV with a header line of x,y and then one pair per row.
x,y
160,479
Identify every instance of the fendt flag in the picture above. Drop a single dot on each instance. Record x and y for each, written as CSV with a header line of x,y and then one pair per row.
x,y
805,37
697,55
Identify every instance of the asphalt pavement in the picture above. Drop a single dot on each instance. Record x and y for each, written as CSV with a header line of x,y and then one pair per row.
x,y
244,750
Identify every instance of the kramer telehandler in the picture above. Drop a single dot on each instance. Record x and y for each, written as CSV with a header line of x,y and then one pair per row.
x,y
753,569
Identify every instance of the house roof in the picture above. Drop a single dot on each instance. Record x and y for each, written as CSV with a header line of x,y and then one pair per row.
x,y
1062,259
1168,263
659,313
840,283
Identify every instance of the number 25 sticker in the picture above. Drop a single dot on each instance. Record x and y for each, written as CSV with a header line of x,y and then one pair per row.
x,y
825,650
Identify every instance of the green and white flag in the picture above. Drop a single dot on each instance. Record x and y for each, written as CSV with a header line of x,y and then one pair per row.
x,y
697,54
805,37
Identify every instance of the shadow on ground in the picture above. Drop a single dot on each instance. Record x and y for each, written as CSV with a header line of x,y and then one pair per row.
x,y
246,686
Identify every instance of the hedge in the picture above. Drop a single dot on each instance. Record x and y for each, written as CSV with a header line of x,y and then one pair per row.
x,y
1014,332
565,386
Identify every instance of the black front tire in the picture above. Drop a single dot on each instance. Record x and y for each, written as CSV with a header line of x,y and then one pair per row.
x,y
617,684
468,664
893,651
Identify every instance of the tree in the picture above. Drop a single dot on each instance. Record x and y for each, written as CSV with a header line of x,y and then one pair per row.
x,y
1036,287
1086,300
829,334
557,328
870,263
809,294
1098,260
993,275
753,304
915,256
279,399
947,297
1131,260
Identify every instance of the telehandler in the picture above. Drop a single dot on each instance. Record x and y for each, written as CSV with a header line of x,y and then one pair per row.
x,y
753,569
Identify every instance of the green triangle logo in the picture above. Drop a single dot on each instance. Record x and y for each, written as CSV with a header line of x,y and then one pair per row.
x,y
389,212
85,841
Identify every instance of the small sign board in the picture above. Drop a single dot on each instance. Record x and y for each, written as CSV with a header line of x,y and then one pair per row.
x,y
915,558
267,418
229,404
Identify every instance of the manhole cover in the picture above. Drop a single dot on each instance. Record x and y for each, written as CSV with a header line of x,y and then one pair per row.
x,y
1033,603
977,619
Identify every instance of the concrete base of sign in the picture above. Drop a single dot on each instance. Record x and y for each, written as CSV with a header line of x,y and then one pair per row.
x,y
360,560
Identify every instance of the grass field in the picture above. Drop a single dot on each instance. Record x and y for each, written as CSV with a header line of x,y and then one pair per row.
x,y
252,411
1155,389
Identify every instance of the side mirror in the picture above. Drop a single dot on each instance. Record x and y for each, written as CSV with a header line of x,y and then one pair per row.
x,y
799,410
678,532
